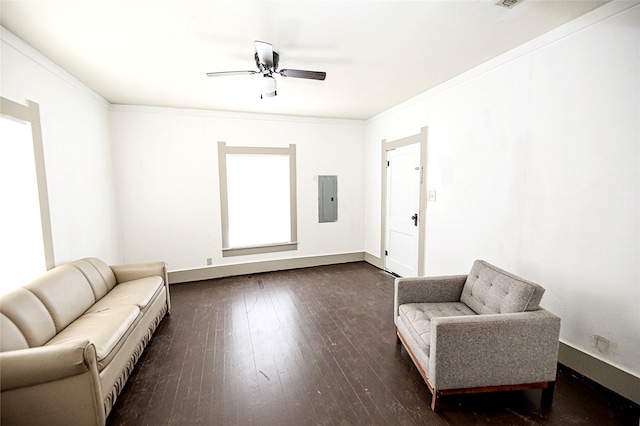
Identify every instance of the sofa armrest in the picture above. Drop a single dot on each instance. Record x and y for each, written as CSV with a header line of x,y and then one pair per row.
x,y
28,367
427,290
55,384
493,350
134,271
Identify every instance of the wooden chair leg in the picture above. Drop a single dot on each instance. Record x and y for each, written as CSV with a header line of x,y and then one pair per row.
x,y
547,395
435,401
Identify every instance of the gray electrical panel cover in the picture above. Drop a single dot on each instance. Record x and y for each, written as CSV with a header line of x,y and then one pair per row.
x,y
327,198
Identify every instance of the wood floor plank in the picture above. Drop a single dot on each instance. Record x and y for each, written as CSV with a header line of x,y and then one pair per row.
x,y
314,346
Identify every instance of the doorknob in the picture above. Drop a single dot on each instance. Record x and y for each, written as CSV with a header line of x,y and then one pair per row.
x,y
415,219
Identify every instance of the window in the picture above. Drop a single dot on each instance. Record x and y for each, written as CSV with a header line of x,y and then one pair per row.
x,y
26,249
257,199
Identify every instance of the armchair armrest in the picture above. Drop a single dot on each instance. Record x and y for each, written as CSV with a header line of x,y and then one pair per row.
x,y
493,350
427,290
55,384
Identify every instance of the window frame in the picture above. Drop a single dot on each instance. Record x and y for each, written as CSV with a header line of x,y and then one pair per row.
x,y
30,113
223,151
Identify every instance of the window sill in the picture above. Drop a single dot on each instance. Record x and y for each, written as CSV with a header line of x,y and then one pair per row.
x,y
269,248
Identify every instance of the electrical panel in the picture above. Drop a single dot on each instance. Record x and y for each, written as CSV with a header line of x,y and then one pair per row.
x,y
327,199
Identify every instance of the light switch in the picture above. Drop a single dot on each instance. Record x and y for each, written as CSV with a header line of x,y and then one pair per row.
x,y
431,195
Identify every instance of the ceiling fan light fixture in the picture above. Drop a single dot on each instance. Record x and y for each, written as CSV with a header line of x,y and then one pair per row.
x,y
267,62
268,87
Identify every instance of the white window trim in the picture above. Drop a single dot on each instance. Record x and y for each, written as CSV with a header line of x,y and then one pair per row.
x,y
290,151
30,113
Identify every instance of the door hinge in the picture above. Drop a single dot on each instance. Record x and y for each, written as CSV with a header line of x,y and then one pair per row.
x,y
387,163
386,253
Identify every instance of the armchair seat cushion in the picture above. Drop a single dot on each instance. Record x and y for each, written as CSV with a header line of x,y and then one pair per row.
x,y
418,317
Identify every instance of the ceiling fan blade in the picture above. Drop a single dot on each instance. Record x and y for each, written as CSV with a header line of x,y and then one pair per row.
x,y
224,73
265,53
312,75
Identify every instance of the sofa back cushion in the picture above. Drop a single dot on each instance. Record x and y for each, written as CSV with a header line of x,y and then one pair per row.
x,y
65,292
98,274
490,290
33,314
25,321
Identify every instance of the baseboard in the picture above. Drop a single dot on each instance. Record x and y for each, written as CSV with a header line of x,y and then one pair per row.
x,y
220,271
620,382
373,260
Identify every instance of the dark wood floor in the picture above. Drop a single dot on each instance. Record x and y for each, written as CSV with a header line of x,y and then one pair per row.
x,y
315,346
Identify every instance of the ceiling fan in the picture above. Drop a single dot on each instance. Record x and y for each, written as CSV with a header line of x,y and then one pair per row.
x,y
267,62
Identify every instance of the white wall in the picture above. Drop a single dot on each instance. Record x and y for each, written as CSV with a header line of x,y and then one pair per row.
x,y
167,176
75,132
536,163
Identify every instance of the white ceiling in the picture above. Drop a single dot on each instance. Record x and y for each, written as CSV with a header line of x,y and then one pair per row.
x,y
376,54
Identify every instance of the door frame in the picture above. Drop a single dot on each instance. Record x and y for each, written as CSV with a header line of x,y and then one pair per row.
x,y
422,139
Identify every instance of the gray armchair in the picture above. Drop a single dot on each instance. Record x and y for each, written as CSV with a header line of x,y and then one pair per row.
x,y
481,332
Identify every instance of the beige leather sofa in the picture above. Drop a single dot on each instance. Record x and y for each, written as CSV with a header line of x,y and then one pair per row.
x,y
70,339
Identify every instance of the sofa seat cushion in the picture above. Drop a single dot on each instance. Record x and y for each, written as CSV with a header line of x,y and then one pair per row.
x,y
418,317
136,292
105,329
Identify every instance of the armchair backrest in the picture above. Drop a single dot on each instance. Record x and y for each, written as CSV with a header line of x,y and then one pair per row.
x,y
490,290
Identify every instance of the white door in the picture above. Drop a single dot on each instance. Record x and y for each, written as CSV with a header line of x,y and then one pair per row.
x,y
402,206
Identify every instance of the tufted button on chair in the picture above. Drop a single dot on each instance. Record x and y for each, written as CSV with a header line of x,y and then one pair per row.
x,y
480,332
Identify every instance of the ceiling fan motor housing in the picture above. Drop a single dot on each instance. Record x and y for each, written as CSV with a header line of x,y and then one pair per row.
x,y
265,69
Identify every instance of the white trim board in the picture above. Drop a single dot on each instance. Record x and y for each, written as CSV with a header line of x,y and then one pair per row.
x,y
220,271
191,112
603,373
25,49
597,15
